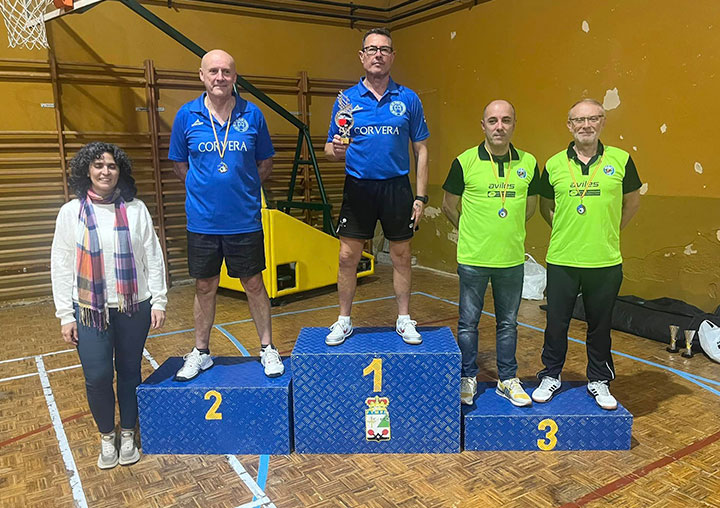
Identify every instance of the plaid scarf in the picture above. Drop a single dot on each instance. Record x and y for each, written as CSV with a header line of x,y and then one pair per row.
x,y
92,296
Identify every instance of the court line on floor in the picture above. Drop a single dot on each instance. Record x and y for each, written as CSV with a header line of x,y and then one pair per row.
x,y
42,428
67,456
33,374
31,357
629,478
693,378
264,463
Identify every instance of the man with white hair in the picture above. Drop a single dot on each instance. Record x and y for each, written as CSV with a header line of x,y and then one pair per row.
x,y
588,193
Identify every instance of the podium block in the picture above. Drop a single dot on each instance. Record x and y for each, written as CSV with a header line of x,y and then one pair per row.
x,y
230,408
570,421
376,394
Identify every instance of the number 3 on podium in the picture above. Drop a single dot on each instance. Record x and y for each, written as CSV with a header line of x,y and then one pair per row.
x,y
550,440
212,413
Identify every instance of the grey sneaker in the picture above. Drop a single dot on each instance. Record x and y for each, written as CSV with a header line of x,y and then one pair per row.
x,y
195,363
468,390
270,359
601,391
546,390
108,457
129,453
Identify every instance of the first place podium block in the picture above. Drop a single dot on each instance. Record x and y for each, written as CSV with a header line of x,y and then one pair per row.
x,y
376,394
570,421
232,408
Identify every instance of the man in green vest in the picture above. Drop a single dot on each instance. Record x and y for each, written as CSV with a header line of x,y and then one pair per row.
x,y
489,194
588,193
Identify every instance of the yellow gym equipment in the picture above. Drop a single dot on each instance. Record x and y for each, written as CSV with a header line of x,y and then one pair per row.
x,y
298,257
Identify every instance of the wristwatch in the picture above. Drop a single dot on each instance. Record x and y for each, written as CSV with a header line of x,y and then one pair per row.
x,y
424,199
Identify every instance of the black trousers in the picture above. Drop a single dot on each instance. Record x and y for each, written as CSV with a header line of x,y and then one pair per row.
x,y
599,287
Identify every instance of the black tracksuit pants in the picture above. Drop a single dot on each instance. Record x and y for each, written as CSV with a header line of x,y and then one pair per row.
x,y
599,288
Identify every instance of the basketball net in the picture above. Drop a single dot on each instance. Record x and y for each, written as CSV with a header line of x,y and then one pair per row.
x,y
24,21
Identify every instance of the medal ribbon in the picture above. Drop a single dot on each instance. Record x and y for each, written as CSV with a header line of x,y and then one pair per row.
x,y
496,173
221,149
587,185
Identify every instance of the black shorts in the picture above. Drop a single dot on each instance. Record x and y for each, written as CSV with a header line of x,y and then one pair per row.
x,y
244,254
366,201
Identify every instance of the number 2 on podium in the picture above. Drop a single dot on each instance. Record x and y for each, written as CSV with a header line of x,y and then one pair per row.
x,y
376,368
212,413
550,440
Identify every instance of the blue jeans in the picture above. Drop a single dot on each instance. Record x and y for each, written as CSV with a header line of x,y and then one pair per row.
x,y
507,286
122,341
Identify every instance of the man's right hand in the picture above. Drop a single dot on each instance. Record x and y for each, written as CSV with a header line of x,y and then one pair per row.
x,y
69,333
338,148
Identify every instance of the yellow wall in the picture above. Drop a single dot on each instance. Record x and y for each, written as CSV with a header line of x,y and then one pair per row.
x,y
660,58
658,55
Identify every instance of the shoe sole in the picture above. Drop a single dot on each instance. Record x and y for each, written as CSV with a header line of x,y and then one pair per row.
x,y
279,374
106,466
348,334
516,404
465,402
131,461
547,400
412,342
183,379
606,408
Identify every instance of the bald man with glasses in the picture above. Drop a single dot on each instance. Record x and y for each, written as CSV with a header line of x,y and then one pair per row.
x,y
588,193
372,124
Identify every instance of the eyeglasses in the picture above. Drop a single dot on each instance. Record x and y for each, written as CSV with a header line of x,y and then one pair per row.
x,y
372,50
580,120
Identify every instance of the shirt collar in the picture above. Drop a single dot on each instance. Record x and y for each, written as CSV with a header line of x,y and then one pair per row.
x,y
483,154
572,154
198,105
392,88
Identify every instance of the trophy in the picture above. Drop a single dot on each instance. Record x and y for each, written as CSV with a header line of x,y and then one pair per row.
x,y
689,336
673,347
344,118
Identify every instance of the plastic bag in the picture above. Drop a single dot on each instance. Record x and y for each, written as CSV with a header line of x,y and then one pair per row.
x,y
709,334
535,279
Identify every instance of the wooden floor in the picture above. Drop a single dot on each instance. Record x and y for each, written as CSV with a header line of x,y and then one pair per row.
x,y
674,460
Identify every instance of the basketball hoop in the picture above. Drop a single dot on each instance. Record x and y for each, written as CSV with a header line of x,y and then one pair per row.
x,y
25,23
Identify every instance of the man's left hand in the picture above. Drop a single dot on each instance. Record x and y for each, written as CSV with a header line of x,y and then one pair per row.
x,y
417,212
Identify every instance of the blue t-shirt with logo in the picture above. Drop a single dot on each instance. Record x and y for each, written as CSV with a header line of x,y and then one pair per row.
x,y
221,201
381,131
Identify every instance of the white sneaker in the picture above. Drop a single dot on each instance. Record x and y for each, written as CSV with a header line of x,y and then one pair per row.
x,y
108,457
129,453
601,391
406,330
270,359
195,363
546,390
513,391
468,390
339,331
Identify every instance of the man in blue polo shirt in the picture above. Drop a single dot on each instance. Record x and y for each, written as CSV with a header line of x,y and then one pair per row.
x,y
384,117
221,149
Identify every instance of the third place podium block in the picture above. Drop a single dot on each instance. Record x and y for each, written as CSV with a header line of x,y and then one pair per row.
x,y
376,394
230,408
570,421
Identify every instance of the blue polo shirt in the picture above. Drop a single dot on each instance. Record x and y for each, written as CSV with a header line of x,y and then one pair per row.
x,y
382,130
220,203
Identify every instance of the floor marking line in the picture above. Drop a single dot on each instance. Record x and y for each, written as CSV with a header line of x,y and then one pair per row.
x,y
629,478
42,428
264,464
258,502
148,356
693,378
32,357
12,378
75,483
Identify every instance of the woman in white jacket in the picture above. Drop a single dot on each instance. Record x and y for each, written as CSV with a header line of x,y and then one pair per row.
x,y
108,280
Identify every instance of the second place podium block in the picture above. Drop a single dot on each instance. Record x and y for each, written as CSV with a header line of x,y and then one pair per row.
x,y
230,408
376,394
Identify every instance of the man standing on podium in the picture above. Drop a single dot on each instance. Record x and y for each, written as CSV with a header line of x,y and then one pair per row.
x,y
221,150
490,192
588,193
372,124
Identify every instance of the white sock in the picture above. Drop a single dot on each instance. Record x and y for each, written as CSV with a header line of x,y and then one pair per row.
x,y
403,317
344,319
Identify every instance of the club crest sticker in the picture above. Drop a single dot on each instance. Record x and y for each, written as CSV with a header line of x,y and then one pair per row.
x,y
377,419
240,125
609,170
397,108
521,173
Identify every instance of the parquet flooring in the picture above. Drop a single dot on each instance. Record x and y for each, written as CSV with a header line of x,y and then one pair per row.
x,y
674,460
